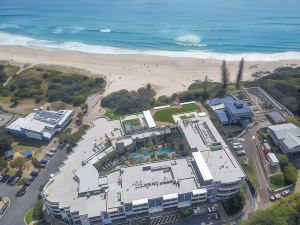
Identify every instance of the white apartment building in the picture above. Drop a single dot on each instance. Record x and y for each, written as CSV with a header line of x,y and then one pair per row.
x,y
77,194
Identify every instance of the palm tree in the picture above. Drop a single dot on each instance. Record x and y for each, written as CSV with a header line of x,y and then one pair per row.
x,y
239,76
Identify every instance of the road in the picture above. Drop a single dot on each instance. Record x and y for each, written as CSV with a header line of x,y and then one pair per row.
x,y
252,152
20,205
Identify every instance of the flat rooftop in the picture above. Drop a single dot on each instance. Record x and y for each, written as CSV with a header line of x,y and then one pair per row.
x,y
203,137
39,120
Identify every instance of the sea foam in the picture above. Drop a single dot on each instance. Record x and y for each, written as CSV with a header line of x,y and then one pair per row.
x,y
106,30
18,40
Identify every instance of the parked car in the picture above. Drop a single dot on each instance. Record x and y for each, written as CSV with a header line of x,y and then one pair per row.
x,y
34,173
43,163
286,192
272,198
15,180
53,150
238,147
50,154
5,178
278,196
240,152
9,180
21,192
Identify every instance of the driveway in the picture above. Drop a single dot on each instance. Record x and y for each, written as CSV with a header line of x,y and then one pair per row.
x,y
20,205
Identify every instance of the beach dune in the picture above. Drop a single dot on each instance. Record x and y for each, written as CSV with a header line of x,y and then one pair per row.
x,y
167,74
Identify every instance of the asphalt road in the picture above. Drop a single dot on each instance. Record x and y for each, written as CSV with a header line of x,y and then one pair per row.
x,y
253,154
20,205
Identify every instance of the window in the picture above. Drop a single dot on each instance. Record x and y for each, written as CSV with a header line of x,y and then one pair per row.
x,y
128,207
155,202
184,197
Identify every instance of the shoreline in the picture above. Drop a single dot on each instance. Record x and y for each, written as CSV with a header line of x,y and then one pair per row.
x,y
130,71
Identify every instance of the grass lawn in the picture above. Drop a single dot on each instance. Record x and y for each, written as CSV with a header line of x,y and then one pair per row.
x,y
19,145
277,181
133,122
251,175
28,216
165,115
12,172
111,115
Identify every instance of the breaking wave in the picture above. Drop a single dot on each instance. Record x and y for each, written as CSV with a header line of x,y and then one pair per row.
x,y
18,40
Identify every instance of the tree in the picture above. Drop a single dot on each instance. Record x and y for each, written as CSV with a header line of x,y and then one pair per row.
x,y
225,78
5,141
205,93
283,161
239,76
17,162
35,162
235,204
290,174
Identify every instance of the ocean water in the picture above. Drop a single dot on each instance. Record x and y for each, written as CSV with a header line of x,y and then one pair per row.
x,y
256,29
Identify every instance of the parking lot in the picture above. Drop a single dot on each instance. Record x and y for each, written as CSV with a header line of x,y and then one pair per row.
x,y
20,205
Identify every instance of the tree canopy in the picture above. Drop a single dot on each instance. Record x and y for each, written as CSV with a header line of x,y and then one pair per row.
x,y
284,212
126,102
239,76
5,141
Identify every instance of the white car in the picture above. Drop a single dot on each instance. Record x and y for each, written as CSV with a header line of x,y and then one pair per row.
x,y
53,150
49,154
240,152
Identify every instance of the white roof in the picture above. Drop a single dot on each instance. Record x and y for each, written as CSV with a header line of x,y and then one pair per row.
x,y
202,166
149,119
186,103
201,114
140,201
88,178
162,107
219,106
199,191
170,196
38,121
288,133
273,157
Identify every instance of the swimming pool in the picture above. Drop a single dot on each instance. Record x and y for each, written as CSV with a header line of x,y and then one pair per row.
x,y
165,151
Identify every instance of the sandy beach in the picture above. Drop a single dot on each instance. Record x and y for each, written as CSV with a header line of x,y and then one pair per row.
x,y
167,74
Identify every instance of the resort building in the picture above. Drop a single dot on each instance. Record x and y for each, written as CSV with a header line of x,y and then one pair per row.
x,y
40,124
231,111
286,136
77,194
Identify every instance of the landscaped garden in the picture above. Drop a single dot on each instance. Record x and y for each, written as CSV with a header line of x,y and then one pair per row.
x,y
165,115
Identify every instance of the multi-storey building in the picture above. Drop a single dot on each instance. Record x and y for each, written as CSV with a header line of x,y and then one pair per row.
x,y
40,124
77,194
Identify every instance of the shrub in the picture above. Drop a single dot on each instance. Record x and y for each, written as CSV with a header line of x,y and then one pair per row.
x,y
3,163
23,181
290,174
35,162
277,179
17,162
37,213
235,204
125,102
